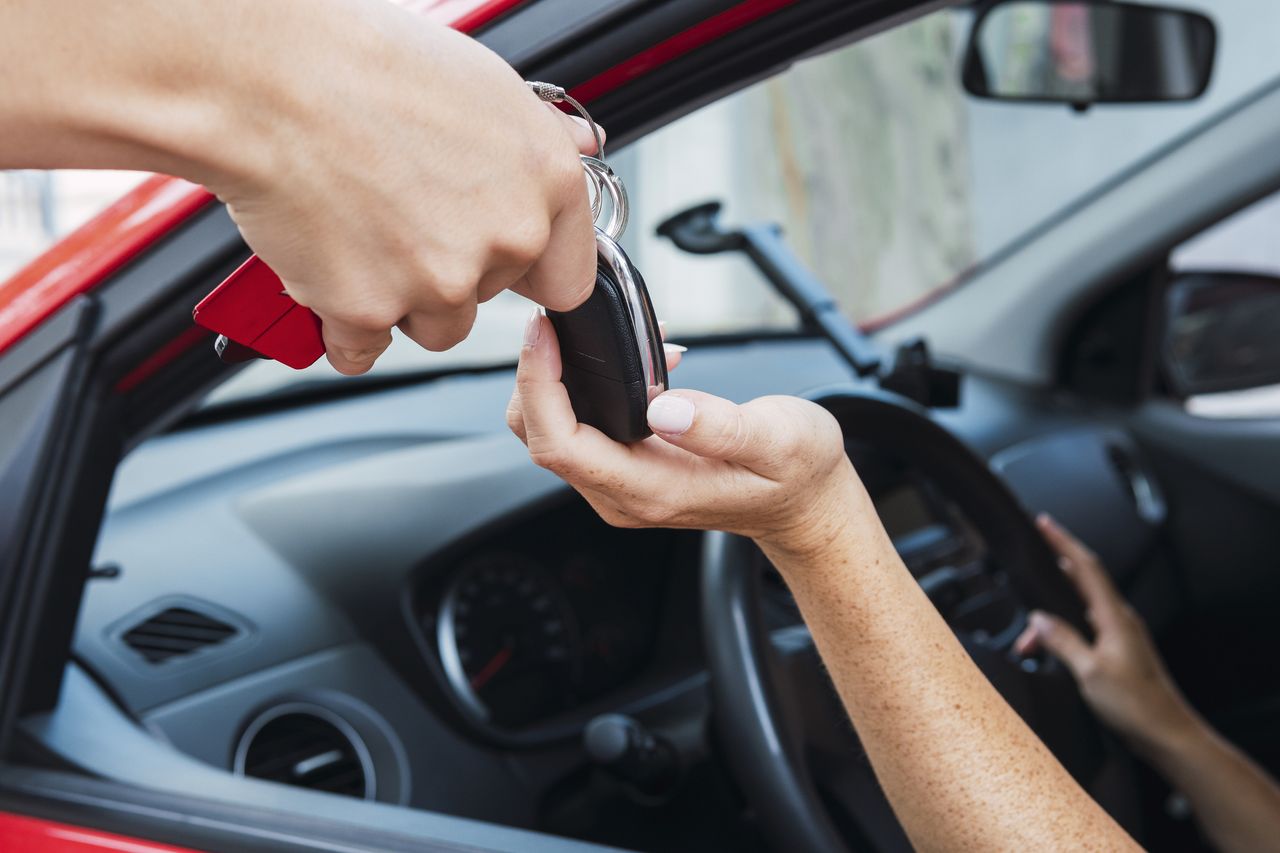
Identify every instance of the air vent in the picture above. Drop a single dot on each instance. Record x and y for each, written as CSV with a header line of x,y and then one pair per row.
x,y
308,748
176,632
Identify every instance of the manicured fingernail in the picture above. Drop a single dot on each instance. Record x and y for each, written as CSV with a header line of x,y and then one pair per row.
x,y
533,328
670,348
670,414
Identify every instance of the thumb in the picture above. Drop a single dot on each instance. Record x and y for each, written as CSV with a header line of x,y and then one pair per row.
x,y
715,428
1062,641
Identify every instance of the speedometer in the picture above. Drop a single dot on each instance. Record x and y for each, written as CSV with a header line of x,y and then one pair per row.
x,y
508,641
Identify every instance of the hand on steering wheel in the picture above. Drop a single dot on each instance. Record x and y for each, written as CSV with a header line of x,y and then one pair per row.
x,y
1120,673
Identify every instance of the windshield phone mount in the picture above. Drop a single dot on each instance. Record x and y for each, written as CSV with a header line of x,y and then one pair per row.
x,y
697,230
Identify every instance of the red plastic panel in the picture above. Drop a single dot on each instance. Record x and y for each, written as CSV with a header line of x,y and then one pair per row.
x,y
251,308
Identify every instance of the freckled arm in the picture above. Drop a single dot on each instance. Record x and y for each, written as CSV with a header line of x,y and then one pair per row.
x,y
960,767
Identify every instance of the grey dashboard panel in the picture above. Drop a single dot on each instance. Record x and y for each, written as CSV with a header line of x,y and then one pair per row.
x,y
393,510
416,760
113,746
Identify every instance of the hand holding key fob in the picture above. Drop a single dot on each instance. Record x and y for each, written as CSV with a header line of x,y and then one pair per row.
x,y
611,351
611,347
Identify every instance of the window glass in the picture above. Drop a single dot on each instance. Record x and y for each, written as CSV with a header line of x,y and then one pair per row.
x,y
37,208
1247,242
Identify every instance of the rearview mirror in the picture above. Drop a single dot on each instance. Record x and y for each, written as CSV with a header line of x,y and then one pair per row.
x,y
1222,332
1081,53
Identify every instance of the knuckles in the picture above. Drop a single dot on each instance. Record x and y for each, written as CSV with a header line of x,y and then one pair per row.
x,y
615,517
372,317
653,514
523,242
551,457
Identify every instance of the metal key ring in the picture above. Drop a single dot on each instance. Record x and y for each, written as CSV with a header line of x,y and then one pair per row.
x,y
603,180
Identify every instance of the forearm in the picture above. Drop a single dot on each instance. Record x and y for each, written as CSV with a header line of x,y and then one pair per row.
x,y
185,87
1235,802
959,766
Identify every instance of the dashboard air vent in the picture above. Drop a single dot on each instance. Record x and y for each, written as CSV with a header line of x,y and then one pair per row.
x,y
307,748
176,632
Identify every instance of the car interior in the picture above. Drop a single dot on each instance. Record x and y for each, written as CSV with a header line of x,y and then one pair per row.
x,y
323,613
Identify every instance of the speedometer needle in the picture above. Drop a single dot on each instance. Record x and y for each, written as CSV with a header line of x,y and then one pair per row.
x,y
492,668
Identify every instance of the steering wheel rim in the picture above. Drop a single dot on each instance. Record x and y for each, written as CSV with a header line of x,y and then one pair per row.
x,y
766,754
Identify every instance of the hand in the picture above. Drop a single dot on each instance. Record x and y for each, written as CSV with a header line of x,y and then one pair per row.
x,y
773,469
405,174
393,172
1120,673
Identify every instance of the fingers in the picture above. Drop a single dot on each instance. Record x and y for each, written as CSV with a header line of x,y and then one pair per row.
x,y
1062,541
439,330
1027,641
580,131
352,349
515,412
767,435
1059,639
564,274
555,439
1085,571
674,352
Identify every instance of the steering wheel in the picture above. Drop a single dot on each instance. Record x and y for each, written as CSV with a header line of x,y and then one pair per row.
x,y
785,734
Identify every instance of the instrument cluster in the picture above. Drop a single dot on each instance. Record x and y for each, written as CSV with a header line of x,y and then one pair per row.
x,y
549,616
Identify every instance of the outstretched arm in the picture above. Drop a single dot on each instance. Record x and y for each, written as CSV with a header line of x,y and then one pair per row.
x,y
1121,675
391,171
958,764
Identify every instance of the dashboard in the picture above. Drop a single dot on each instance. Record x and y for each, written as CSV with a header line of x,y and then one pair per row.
x,y
394,563
551,614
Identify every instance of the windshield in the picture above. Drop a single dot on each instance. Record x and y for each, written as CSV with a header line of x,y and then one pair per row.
x,y
889,181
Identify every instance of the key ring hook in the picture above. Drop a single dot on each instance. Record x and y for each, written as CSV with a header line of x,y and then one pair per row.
x,y
603,180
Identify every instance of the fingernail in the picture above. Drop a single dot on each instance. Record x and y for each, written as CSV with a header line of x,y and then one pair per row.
x,y
674,348
1044,520
533,328
670,414
1040,622
1064,564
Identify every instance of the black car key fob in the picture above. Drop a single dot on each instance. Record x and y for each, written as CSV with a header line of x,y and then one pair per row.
x,y
611,349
